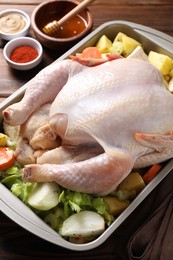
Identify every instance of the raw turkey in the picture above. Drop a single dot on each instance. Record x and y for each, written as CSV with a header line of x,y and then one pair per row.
x,y
121,107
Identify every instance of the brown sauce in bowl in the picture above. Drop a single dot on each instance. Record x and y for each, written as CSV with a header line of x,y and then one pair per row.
x,y
71,28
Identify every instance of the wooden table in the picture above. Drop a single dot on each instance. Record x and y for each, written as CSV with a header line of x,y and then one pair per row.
x,y
15,242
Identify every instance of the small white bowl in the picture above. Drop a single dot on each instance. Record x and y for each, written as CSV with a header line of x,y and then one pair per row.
x,y
21,41
8,36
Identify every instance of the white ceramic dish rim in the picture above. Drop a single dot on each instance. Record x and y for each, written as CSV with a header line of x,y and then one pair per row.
x,y
24,15
21,214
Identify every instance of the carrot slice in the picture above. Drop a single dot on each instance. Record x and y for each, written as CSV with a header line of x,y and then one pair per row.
x,y
152,172
6,158
91,52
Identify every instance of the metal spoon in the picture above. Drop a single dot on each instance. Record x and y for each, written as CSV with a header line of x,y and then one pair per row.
x,y
52,27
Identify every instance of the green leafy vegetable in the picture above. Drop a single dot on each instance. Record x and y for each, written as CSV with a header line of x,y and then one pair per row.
x,y
70,202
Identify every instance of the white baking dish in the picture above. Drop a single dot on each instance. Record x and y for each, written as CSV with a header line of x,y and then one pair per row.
x,y
16,210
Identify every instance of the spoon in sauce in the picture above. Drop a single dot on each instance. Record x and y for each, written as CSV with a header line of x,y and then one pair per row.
x,y
52,27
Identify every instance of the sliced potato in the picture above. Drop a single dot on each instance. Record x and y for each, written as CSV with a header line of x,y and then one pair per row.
x,y
129,45
3,139
119,37
114,205
104,44
162,62
117,47
83,224
133,182
44,196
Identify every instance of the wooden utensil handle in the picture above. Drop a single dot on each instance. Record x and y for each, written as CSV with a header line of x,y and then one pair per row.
x,y
79,8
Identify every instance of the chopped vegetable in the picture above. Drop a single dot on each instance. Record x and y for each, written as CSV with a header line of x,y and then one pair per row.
x,y
129,45
12,176
3,139
119,37
55,218
133,182
117,47
115,206
22,190
44,196
104,44
7,158
52,220
91,52
152,172
83,224
15,169
11,180
138,53
162,62
125,194
77,201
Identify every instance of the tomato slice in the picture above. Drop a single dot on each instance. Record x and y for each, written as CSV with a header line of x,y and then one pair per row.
x,y
7,158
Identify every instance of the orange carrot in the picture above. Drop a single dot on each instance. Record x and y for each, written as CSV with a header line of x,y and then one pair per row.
x,y
6,158
152,172
91,52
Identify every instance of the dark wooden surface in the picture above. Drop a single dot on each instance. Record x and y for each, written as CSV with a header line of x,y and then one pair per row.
x,y
15,242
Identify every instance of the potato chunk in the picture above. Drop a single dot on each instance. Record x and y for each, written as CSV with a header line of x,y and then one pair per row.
x,y
3,139
162,62
119,37
104,44
133,182
114,205
128,43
